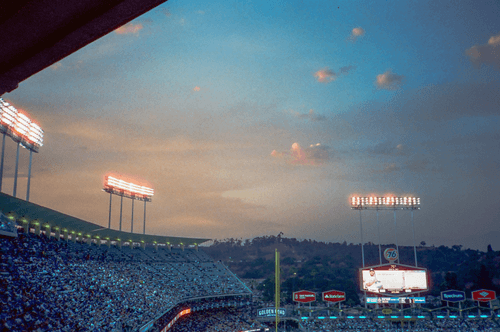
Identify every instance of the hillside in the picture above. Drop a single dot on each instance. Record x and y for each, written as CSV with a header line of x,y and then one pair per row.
x,y
320,266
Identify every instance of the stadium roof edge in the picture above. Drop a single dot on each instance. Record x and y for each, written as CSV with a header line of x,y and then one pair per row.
x,y
39,33
43,215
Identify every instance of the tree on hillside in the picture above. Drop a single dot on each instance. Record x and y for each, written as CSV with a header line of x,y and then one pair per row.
x,y
484,278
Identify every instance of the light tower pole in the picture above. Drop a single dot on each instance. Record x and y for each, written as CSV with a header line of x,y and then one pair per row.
x,y
24,132
119,187
386,203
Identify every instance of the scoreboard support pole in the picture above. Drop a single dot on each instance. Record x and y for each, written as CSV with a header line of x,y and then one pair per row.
x,y
361,235
414,243
379,244
396,233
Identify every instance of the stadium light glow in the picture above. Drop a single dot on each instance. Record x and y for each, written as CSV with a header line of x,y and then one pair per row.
x,y
120,187
25,132
20,127
384,203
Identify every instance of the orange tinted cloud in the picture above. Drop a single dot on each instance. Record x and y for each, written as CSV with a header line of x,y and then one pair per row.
x,y
356,33
277,154
325,75
487,53
315,154
196,88
389,80
129,28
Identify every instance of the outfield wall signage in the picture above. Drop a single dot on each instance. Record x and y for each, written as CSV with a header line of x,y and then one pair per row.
x,y
483,295
333,296
453,296
271,312
304,296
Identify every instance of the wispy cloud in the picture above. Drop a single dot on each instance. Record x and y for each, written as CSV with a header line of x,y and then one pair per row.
x,y
389,148
129,28
56,66
346,69
196,88
487,53
312,116
389,81
389,168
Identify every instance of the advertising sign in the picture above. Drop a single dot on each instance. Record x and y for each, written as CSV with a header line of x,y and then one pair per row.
x,y
391,254
333,296
483,295
271,312
453,296
393,279
304,296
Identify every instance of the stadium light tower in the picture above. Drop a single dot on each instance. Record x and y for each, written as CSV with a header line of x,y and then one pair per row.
x,y
386,203
113,185
24,132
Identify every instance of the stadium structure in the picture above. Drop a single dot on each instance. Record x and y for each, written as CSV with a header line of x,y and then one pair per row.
x,y
61,273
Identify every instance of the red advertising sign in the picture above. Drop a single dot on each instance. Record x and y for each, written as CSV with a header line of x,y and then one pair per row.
x,y
483,295
304,296
333,296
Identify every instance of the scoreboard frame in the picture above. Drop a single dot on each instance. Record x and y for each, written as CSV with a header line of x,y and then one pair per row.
x,y
394,292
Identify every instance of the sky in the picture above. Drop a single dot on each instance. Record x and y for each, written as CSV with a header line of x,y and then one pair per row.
x,y
251,118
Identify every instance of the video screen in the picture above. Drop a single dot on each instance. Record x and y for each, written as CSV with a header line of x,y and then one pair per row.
x,y
389,300
394,279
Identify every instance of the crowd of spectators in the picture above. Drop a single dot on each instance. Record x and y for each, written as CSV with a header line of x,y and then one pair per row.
x,y
50,285
424,325
218,320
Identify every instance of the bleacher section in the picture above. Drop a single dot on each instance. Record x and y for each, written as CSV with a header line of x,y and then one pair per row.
x,y
64,286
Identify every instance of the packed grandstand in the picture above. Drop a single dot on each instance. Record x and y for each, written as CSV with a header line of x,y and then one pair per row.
x,y
50,284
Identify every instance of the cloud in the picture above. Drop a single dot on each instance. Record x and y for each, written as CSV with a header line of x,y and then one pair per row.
x,y
129,28
311,116
487,53
277,154
389,168
346,69
356,33
196,88
388,148
325,75
56,66
389,81
315,154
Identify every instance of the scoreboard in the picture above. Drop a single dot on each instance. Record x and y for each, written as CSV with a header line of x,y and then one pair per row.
x,y
393,279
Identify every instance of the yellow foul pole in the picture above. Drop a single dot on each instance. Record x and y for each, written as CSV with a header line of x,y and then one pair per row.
x,y
277,284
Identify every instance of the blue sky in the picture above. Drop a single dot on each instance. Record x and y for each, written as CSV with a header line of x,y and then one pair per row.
x,y
255,117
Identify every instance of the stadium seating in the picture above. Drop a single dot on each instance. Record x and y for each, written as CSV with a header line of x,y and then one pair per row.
x,y
64,286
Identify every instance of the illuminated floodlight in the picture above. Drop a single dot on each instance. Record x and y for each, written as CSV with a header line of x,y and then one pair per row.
x,y
20,127
381,203
120,187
